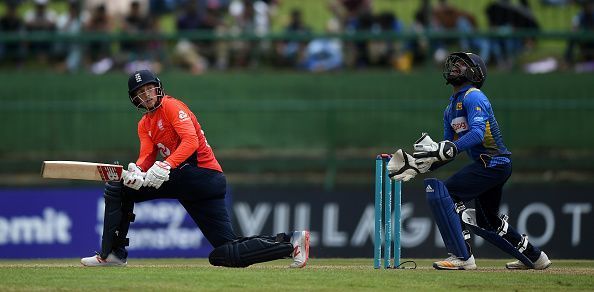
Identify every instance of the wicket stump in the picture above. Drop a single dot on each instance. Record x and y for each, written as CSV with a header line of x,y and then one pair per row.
x,y
384,189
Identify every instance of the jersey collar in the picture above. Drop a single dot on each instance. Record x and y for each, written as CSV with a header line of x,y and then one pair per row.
x,y
463,89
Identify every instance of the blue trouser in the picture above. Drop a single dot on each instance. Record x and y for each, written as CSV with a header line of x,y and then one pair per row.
x,y
202,193
484,184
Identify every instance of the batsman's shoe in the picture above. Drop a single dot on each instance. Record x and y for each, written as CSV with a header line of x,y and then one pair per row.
x,y
96,261
454,263
300,241
541,263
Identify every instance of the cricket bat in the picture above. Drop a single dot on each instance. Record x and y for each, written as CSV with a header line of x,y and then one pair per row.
x,y
81,170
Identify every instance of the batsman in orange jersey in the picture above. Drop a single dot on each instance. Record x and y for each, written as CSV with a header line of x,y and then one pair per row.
x,y
176,162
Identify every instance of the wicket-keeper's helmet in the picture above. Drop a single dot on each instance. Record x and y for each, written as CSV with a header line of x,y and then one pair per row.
x,y
139,79
475,72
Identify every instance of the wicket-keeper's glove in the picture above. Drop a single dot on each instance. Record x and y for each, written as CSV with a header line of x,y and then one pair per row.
x,y
402,166
427,152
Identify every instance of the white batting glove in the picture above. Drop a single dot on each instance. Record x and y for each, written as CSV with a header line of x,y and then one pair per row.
x,y
402,166
157,174
134,177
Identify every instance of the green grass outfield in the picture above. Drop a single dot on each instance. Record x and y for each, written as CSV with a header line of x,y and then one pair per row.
x,y
319,275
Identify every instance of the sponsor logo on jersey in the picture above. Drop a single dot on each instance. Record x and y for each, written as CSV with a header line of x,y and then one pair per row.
x,y
429,189
459,106
182,115
160,124
459,124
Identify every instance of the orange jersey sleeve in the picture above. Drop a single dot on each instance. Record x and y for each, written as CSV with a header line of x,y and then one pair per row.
x,y
179,117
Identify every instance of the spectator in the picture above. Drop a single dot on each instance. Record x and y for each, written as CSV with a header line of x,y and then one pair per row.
x,y
450,18
70,23
291,52
189,19
114,8
40,19
447,16
506,18
12,23
354,16
250,17
155,54
555,2
135,23
349,12
160,7
215,50
582,22
99,22
384,52
525,20
423,23
361,53
243,15
424,15
187,52
325,53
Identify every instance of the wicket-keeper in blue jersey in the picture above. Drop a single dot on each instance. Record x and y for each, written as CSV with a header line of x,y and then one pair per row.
x,y
470,126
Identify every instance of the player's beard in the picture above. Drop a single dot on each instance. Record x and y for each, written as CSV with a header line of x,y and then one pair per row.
x,y
456,80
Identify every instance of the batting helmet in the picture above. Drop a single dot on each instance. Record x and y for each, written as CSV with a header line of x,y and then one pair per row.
x,y
475,72
139,79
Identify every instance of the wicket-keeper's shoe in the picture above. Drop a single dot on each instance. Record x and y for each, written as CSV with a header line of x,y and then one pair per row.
x,y
454,263
300,241
96,261
541,263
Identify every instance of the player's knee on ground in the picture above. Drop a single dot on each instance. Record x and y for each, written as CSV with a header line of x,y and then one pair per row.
x,y
247,251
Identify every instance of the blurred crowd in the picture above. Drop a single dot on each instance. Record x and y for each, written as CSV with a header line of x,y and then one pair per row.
x,y
230,19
